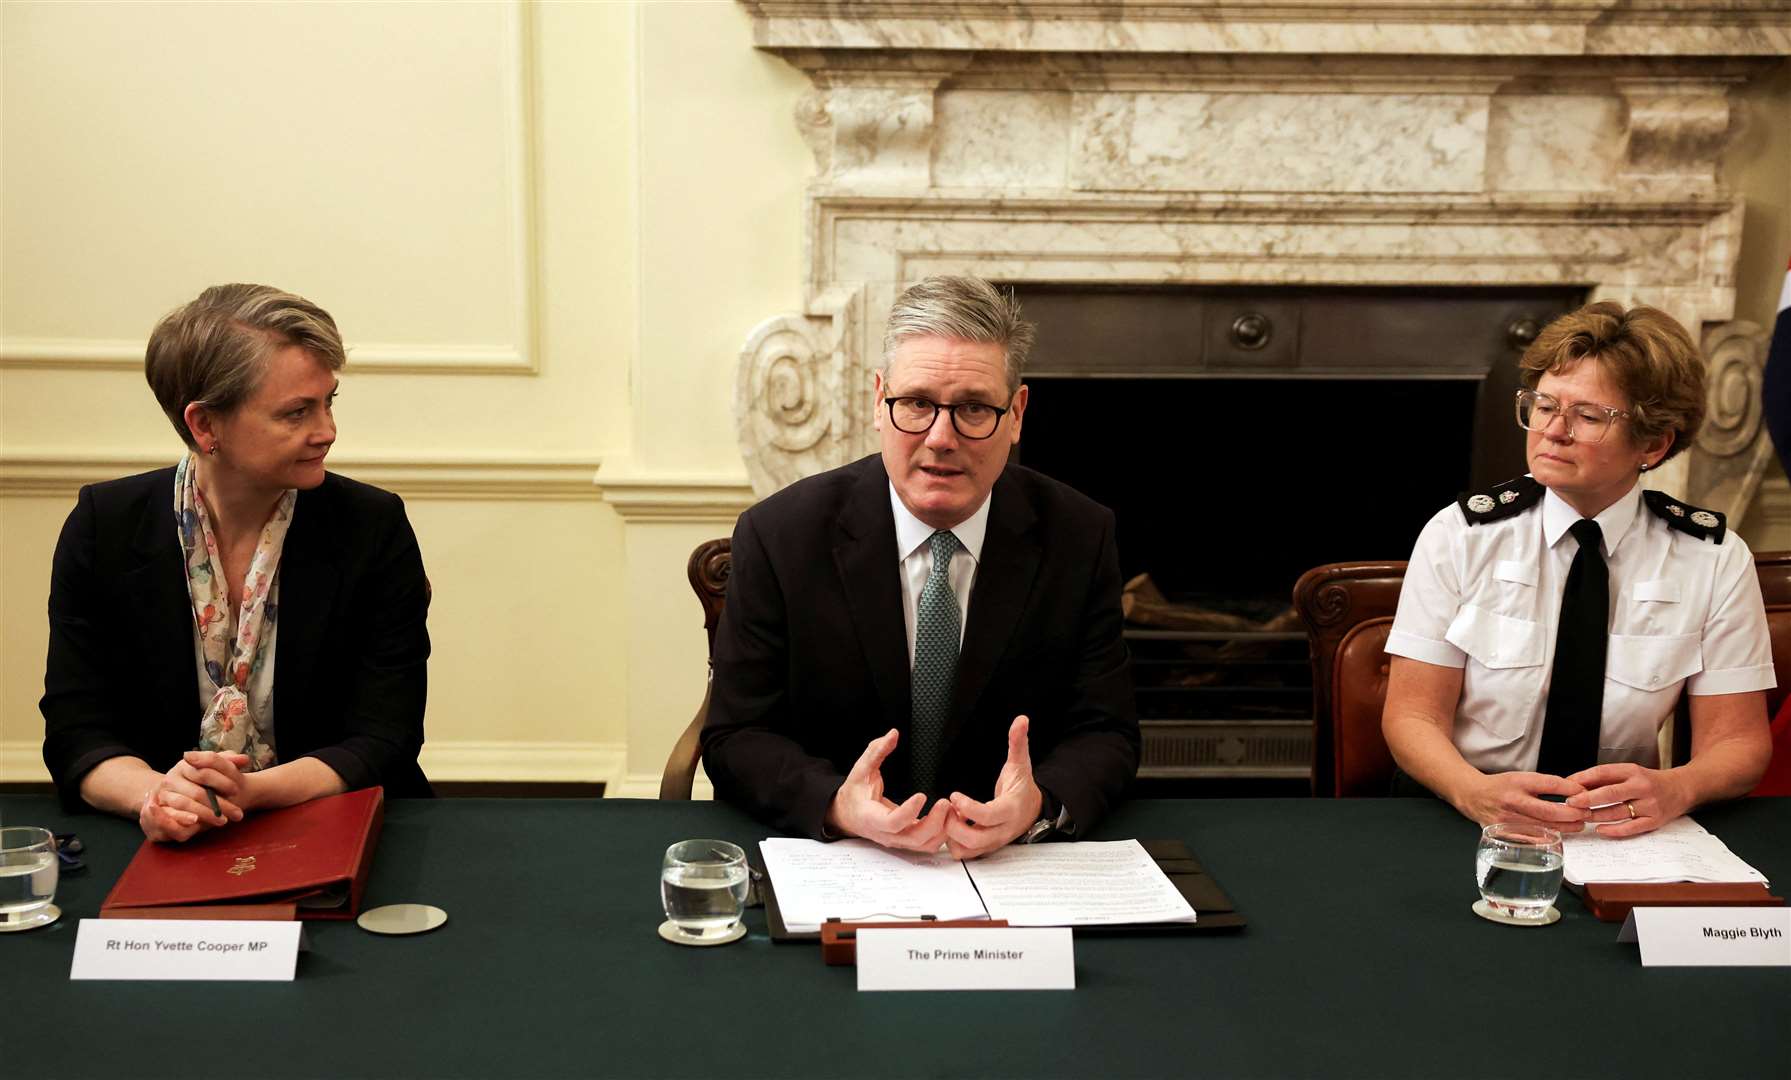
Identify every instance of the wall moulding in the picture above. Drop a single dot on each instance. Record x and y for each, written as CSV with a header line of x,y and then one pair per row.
x,y
1410,27
107,355
666,497
518,357
1016,68
1113,237
36,473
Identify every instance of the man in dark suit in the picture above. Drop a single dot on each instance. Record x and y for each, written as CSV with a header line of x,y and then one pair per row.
x,y
930,625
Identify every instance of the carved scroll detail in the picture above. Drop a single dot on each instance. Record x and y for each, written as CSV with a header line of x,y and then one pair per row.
x,y
1737,362
797,381
1733,452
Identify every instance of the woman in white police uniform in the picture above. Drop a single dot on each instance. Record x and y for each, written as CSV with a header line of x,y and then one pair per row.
x,y
1502,688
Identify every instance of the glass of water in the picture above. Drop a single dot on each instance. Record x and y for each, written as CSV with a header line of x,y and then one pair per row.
x,y
702,885
1518,868
28,873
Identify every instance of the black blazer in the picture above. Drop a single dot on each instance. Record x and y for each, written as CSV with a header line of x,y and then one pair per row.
x,y
349,662
811,656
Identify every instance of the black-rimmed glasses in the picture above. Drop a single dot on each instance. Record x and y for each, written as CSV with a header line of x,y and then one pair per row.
x,y
1582,421
971,419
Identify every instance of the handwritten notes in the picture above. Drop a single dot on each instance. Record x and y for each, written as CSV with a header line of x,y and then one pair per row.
x,y
1680,850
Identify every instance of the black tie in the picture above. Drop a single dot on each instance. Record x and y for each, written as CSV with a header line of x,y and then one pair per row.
x,y
1576,686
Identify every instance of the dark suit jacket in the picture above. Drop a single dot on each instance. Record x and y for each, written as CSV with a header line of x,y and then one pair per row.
x,y
811,656
349,661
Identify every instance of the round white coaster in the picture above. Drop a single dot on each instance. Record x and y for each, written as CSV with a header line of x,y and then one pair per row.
x,y
43,916
401,919
670,932
1485,911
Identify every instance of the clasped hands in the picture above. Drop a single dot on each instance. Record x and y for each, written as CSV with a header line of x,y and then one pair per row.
x,y
177,809
966,827
1602,796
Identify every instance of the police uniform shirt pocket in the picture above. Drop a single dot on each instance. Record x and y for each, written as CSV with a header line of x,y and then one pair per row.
x,y
1643,675
1652,663
1653,610
1523,573
1502,676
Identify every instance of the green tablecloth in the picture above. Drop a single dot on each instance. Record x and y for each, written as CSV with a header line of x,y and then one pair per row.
x,y
1361,958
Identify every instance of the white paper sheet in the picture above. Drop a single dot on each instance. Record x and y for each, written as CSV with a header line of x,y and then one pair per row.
x,y
1680,850
1083,884
857,880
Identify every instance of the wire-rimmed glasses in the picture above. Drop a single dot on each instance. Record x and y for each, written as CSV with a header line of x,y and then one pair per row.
x,y
1583,421
971,419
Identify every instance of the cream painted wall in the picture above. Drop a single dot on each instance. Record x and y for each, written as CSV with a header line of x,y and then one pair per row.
x,y
457,184
722,176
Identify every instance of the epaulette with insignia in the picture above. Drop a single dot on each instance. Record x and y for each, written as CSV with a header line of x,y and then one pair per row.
x,y
1501,500
1691,520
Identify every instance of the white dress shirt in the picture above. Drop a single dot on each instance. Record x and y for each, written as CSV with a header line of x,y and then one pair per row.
x,y
1685,613
916,560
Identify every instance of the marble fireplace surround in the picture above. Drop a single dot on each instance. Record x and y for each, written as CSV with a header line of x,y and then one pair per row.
x,y
1508,142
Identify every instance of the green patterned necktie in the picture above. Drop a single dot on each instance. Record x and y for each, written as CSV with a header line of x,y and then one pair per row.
x,y
935,662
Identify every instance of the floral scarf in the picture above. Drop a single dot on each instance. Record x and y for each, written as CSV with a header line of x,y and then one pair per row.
x,y
237,659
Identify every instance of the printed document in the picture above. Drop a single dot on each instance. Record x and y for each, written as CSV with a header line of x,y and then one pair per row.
x,y
857,881
1085,884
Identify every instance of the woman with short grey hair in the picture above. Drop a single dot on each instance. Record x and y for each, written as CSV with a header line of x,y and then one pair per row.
x,y
1549,626
243,630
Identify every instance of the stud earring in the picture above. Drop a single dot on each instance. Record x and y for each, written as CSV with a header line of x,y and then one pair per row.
x,y
1641,468
214,452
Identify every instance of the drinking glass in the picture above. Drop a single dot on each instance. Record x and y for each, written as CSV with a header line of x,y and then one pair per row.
x,y
702,885
1518,869
28,874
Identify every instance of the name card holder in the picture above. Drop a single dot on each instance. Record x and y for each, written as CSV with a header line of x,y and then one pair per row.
x,y
187,949
1612,901
839,939
1710,936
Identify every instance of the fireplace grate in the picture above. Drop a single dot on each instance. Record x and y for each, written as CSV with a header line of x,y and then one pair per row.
x,y
1223,704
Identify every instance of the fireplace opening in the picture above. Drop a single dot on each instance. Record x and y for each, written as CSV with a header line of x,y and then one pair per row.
x,y
1225,490
1243,436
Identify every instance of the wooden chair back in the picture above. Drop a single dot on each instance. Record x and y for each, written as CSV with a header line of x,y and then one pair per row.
x,y
708,571
1348,611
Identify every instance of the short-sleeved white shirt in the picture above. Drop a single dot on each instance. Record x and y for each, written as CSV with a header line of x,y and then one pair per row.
x,y
1486,598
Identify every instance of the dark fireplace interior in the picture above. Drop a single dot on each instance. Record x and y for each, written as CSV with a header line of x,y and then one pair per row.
x,y
1225,490
1245,435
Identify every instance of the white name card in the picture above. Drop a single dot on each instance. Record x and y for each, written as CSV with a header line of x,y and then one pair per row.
x,y
165,949
967,958
1710,936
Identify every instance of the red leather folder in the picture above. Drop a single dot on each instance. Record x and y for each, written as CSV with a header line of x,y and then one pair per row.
x,y
308,861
